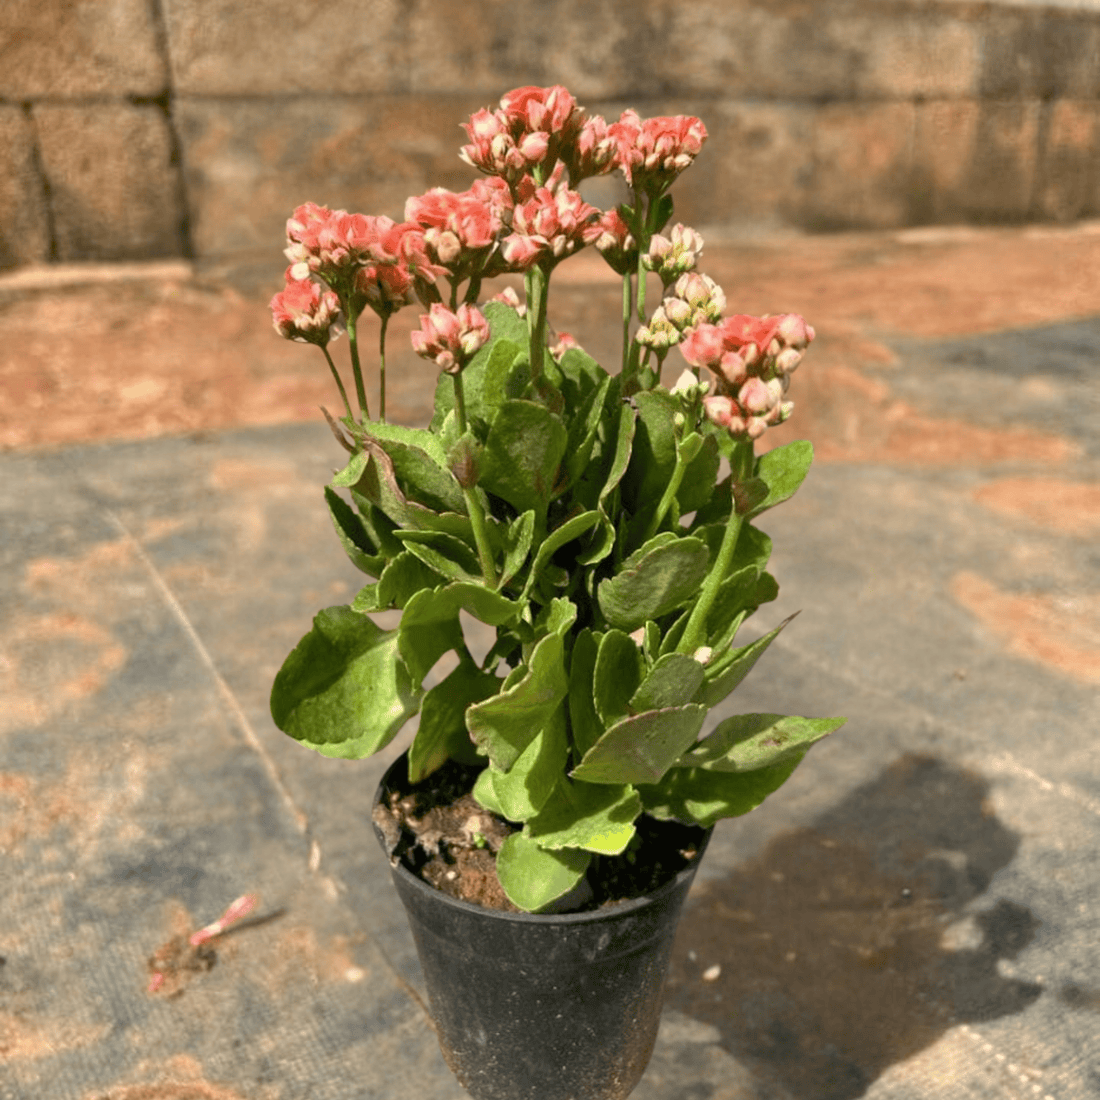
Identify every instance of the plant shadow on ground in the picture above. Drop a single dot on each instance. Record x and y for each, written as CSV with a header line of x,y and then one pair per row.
x,y
851,945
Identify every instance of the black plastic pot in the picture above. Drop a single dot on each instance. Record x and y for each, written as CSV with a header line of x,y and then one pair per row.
x,y
543,1007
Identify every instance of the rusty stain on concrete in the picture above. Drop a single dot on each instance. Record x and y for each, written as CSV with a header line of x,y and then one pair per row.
x,y
1062,633
91,797
27,1037
1068,507
179,1077
69,654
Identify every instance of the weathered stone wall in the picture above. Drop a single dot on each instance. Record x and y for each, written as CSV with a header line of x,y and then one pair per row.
x,y
151,128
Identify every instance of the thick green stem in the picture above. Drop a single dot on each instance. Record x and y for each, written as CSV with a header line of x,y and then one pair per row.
x,y
538,291
339,383
360,389
695,632
473,504
382,369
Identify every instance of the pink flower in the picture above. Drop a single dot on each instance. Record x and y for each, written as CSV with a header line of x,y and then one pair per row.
x,y
654,151
592,153
535,128
566,341
459,229
510,298
674,255
549,227
451,339
305,311
616,243
549,110
751,358
384,287
704,346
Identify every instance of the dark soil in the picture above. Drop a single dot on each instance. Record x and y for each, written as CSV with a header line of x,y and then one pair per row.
x,y
441,834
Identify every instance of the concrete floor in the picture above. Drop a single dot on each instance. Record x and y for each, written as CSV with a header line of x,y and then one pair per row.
x,y
914,915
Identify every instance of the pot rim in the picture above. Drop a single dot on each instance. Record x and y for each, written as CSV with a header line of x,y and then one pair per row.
x,y
622,908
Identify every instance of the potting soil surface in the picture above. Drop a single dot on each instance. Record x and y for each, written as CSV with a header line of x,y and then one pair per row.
x,y
914,916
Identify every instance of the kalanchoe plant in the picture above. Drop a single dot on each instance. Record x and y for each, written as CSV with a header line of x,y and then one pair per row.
x,y
600,523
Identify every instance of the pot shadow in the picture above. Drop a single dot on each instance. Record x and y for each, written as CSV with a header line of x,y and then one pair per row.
x,y
853,944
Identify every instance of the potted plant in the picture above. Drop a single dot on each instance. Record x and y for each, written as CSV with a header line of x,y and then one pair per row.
x,y
600,526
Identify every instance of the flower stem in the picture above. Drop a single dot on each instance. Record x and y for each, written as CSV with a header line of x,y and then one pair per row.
x,y
339,383
382,369
473,504
538,290
695,632
357,370
627,300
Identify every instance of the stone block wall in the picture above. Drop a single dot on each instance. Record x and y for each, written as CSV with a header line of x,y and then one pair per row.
x,y
153,128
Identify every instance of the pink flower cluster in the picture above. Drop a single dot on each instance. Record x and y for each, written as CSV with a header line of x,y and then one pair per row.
x,y
451,339
752,359
548,227
535,129
531,130
673,255
462,229
696,299
652,152
377,256
616,243
305,311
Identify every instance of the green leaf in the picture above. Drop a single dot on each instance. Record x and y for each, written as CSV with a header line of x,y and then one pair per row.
x,y
585,722
565,533
663,212
445,554
418,439
704,797
343,690
727,670
506,724
620,461
402,579
594,816
429,628
532,877
583,431
672,682
783,469
697,487
442,734
422,477
741,592
663,576
353,535
523,452
521,535
581,376
523,790
485,795
642,748
653,456
366,599
502,359
748,742
617,674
